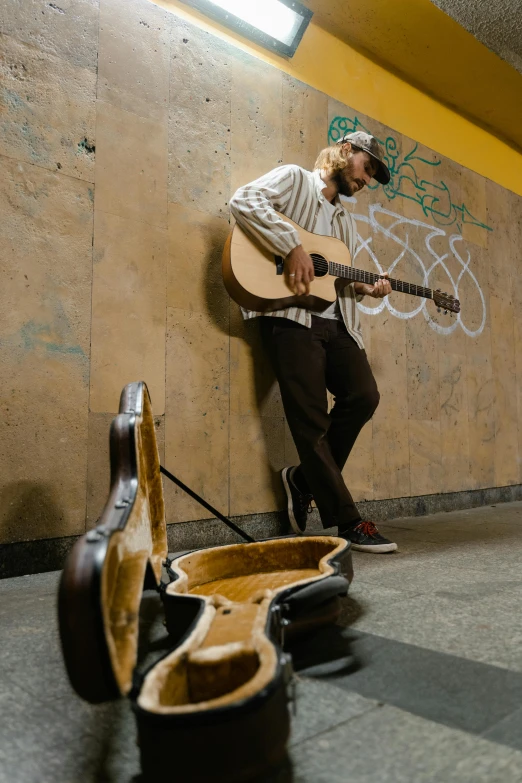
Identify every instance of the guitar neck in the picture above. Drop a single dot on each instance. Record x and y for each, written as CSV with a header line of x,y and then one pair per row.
x,y
360,276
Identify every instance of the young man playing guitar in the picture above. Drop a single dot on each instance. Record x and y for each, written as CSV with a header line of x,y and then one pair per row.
x,y
314,351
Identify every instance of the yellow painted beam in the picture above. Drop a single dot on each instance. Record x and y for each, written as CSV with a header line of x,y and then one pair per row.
x,y
431,50
328,64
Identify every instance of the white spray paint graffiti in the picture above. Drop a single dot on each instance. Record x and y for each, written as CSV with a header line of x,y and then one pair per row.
x,y
427,266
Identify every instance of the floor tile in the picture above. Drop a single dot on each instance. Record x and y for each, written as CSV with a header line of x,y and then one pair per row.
x,y
436,577
320,706
32,583
42,743
390,746
486,631
457,692
507,731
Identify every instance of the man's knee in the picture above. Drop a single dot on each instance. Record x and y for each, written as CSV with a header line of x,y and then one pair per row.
x,y
365,401
373,396
369,400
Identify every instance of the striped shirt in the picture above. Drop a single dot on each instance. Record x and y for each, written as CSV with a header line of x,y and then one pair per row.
x,y
296,193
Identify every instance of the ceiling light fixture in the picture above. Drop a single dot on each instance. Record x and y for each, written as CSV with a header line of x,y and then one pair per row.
x,y
277,25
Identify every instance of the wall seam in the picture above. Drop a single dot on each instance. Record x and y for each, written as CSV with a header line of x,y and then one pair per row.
x,y
92,280
167,263
229,423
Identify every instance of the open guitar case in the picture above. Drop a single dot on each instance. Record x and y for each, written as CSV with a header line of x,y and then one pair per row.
x,y
215,706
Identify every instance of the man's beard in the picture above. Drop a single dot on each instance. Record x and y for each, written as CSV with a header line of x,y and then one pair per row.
x,y
346,184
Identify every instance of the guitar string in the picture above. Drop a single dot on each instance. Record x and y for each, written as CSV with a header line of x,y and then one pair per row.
x,y
360,275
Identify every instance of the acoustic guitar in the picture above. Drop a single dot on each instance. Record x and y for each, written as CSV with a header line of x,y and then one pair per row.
x,y
255,279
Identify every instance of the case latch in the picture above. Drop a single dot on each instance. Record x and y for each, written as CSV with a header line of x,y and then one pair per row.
x,y
290,680
280,621
99,533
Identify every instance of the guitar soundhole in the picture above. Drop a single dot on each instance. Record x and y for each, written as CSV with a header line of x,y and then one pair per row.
x,y
320,265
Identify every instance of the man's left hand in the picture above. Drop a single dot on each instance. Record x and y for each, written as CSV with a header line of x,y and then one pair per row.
x,y
381,288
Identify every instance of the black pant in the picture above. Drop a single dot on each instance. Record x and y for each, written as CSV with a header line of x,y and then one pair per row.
x,y
307,362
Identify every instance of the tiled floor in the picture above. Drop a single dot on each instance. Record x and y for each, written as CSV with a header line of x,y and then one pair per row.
x,y
424,682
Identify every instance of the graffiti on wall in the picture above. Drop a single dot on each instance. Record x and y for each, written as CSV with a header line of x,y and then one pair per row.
x,y
432,195
434,264
446,255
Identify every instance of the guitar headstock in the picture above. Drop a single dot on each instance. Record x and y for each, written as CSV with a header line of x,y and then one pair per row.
x,y
446,302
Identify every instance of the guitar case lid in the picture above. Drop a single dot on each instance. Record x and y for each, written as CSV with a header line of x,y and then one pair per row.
x,y
108,567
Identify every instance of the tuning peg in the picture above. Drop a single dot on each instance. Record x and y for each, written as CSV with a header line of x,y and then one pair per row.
x,y
445,312
438,309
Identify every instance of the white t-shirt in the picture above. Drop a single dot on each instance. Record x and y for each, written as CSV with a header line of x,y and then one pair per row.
x,y
324,226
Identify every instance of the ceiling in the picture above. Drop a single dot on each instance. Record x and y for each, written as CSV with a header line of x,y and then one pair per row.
x,y
470,60
497,24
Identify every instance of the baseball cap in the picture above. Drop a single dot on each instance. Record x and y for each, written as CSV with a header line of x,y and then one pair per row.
x,y
368,143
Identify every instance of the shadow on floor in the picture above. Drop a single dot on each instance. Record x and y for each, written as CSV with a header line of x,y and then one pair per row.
x,y
329,650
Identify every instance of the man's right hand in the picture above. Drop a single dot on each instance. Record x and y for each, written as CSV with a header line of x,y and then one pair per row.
x,y
299,271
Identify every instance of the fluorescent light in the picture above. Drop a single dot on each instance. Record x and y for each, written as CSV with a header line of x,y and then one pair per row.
x,y
275,24
269,16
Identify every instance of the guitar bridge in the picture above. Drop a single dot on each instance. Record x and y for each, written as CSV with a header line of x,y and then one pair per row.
x,y
279,264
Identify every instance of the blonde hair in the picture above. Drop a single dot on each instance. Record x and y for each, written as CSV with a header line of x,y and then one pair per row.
x,y
332,159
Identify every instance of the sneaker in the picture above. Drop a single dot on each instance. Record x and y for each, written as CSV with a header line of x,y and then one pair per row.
x,y
366,538
299,503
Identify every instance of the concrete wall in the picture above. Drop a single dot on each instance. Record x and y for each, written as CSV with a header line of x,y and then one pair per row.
x,y
124,129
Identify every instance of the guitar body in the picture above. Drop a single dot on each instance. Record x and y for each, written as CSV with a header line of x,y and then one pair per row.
x,y
254,277
255,280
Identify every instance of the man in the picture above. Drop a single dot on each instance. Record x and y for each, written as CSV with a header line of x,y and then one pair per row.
x,y
315,351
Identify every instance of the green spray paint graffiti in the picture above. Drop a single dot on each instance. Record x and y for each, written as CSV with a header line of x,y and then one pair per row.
x,y
434,198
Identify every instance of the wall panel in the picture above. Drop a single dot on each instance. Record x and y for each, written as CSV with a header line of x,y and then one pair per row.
x,y
155,123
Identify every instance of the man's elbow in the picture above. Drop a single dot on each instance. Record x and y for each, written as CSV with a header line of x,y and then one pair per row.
x,y
233,208
235,204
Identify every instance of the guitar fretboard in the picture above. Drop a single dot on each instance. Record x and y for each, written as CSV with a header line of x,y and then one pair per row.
x,y
360,276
